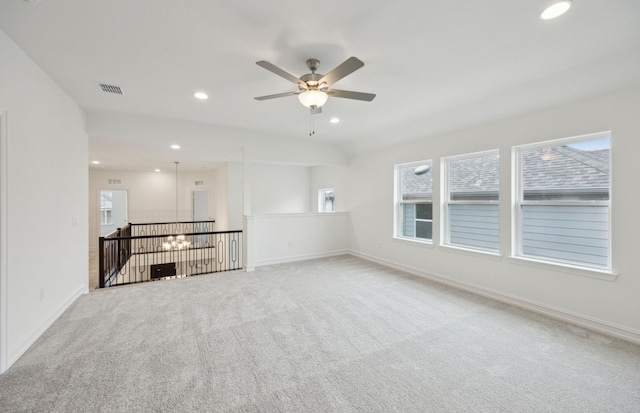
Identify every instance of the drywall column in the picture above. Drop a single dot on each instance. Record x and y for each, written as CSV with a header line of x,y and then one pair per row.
x,y
247,222
4,276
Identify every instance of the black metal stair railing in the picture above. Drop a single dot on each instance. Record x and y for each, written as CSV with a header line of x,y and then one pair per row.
x,y
166,228
145,252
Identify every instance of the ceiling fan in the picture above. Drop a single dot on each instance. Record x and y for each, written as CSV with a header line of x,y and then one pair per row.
x,y
313,88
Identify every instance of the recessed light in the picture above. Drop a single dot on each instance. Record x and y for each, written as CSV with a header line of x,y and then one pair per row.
x,y
175,146
95,162
201,95
334,120
157,170
556,9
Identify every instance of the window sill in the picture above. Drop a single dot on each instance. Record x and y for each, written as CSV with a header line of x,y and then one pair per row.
x,y
566,268
415,241
495,256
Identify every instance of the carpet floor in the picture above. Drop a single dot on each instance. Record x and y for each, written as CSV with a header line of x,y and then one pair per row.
x,y
330,335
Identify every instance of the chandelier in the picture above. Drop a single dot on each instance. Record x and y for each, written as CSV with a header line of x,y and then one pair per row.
x,y
175,243
178,242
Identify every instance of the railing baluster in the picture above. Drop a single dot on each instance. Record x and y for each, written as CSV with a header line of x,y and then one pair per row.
x,y
128,254
101,258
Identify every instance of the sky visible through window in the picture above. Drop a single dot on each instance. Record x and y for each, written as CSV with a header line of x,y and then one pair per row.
x,y
591,145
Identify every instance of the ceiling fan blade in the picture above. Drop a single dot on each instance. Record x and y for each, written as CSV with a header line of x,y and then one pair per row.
x,y
316,111
275,69
277,95
347,67
351,95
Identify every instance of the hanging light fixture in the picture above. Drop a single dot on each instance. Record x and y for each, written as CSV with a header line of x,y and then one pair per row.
x,y
313,98
175,243
178,242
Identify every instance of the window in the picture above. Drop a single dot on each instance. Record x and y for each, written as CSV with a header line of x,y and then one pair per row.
x,y
326,200
414,210
471,201
106,206
562,205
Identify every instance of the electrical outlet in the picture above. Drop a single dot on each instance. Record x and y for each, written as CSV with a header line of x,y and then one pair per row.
x,y
290,244
41,294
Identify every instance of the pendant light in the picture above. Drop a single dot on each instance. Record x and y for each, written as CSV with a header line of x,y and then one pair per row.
x,y
178,242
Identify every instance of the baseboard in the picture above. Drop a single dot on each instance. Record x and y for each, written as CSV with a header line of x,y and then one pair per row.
x,y
591,323
14,356
294,258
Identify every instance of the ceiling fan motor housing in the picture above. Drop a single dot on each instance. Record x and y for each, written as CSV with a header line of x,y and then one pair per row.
x,y
311,80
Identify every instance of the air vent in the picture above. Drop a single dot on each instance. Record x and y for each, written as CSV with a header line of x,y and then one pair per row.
x,y
113,89
115,181
199,182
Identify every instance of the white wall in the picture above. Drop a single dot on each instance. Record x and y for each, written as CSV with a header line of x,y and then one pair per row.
x,y
279,189
612,306
212,142
218,198
277,238
284,224
46,202
152,195
235,188
323,177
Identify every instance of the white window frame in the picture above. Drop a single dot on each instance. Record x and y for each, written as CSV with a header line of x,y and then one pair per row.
x,y
103,210
446,202
518,202
399,204
106,219
322,198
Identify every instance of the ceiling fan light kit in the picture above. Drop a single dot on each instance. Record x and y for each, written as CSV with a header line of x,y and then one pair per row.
x,y
313,98
313,88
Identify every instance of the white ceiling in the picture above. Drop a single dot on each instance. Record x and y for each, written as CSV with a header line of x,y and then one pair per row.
x,y
435,65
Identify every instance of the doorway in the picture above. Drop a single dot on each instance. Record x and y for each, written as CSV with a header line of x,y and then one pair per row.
x,y
113,210
200,212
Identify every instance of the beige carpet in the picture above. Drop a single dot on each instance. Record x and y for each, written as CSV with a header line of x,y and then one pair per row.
x,y
328,335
